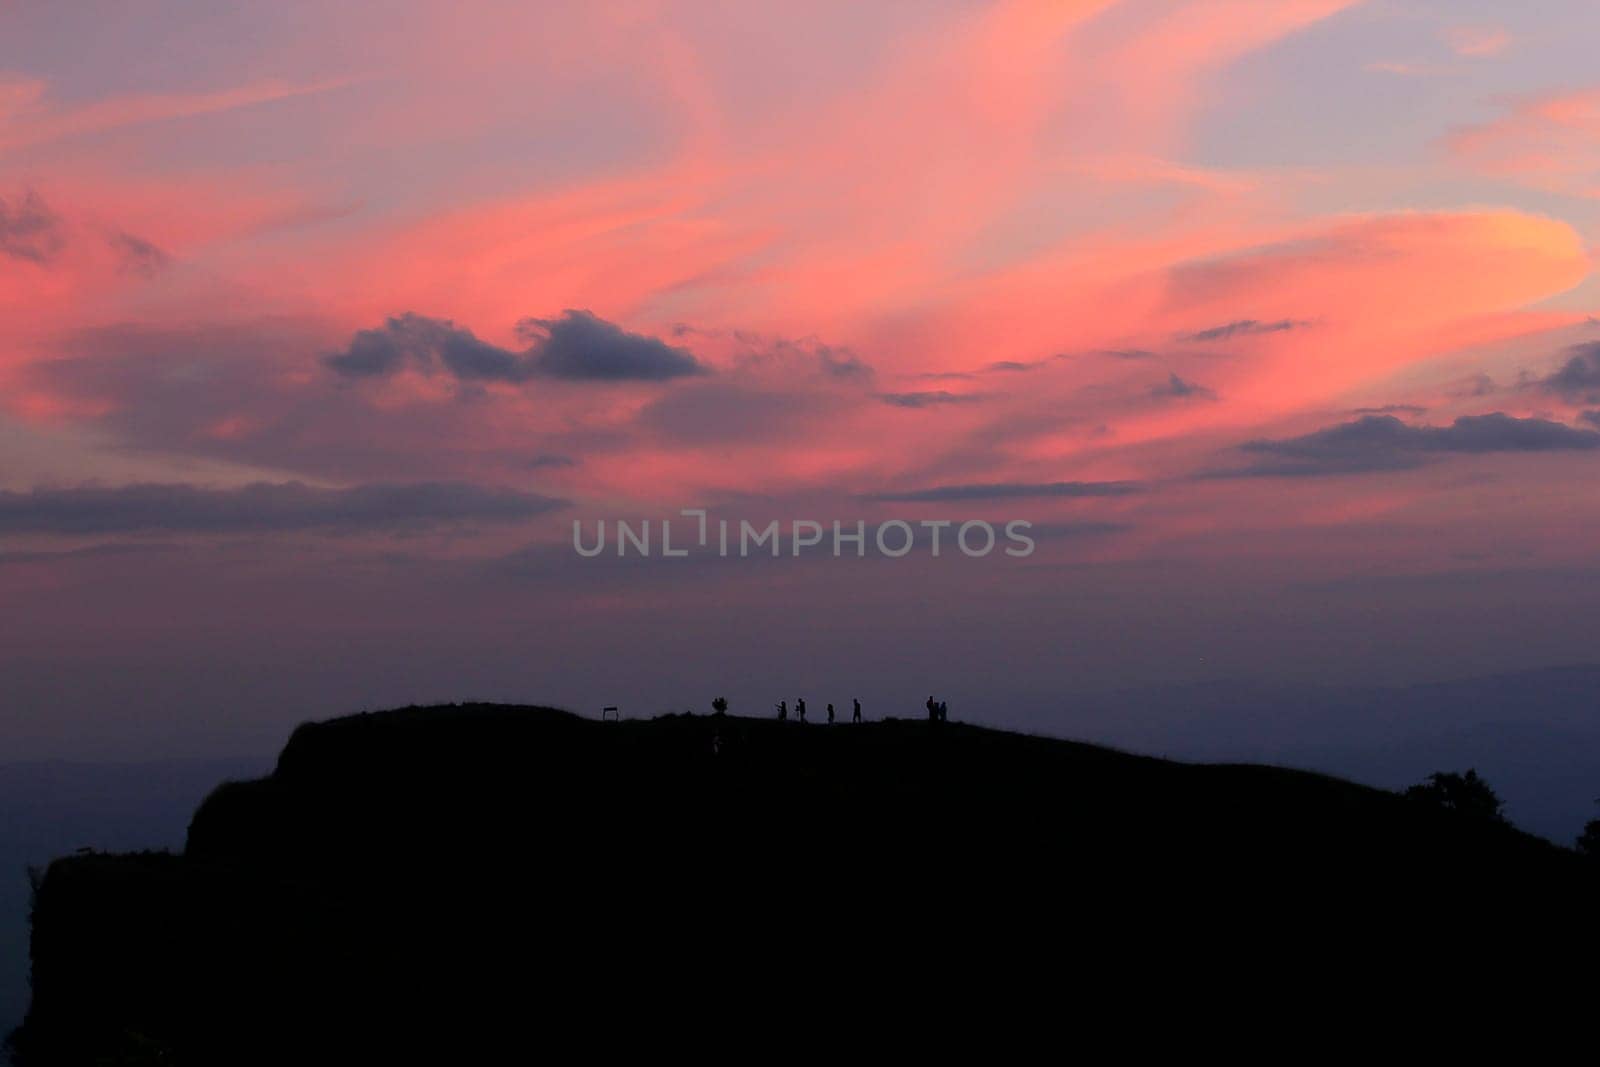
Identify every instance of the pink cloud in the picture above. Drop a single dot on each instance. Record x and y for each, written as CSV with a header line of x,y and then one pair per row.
x,y
1549,141
1478,42
1002,186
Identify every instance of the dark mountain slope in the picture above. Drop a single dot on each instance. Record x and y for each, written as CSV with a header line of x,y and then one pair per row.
x,y
428,876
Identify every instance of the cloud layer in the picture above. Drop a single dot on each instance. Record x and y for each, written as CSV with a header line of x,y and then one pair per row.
x,y
262,507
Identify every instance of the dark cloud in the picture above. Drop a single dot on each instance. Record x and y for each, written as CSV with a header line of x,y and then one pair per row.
x,y
1384,443
1007,491
1474,386
1012,365
1578,380
260,507
1591,417
1179,389
137,255
1242,328
582,346
29,229
927,398
843,364
1127,353
577,346
426,343
550,459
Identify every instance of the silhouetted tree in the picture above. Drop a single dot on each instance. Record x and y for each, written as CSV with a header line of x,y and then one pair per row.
x,y
720,705
1589,840
1465,793
1588,843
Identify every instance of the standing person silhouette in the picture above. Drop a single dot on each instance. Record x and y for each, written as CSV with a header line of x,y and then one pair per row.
x,y
830,714
944,711
800,708
783,711
933,709
857,716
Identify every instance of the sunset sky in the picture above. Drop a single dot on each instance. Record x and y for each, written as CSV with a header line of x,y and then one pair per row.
x,y
321,323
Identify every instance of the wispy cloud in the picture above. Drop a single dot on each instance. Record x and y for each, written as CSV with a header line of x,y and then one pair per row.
x,y
1547,140
1391,409
1179,389
29,229
1478,42
29,119
928,398
1242,328
1008,491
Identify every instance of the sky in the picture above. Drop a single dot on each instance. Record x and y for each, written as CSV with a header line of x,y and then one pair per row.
x,y
321,325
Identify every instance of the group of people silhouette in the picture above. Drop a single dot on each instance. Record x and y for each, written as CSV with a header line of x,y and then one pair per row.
x,y
938,710
800,711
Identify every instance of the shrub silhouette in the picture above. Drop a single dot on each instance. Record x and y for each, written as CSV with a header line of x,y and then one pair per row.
x,y
1464,793
720,705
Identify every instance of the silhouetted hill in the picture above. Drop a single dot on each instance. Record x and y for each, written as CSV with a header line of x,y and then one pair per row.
x,y
426,877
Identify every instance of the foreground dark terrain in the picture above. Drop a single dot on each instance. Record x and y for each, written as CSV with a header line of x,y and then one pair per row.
x,y
426,878
50,809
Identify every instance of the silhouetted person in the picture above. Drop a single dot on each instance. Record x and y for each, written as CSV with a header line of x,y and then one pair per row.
x,y
933,710
830,714
783,711
944,711
800,708
857,716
